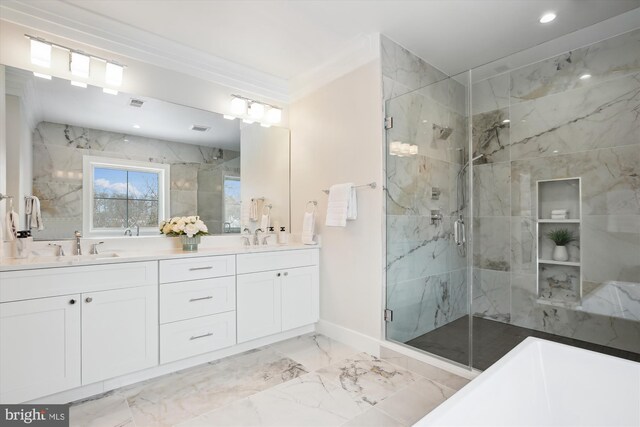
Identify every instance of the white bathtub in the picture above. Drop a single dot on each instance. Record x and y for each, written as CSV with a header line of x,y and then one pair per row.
x,y
542,383
618,299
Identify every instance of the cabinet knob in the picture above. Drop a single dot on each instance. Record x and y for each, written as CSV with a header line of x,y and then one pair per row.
x,y
279,274
89,299
72,301
286,273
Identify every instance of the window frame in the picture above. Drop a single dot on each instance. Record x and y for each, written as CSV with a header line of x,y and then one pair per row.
x,y
90,163
232,230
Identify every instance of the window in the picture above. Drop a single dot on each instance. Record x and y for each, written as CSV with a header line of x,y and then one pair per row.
x,y
120,194
231,204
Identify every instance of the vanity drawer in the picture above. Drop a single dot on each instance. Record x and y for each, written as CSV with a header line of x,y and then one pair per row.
x,y
187,338
186,300
265,261
45,282
181,270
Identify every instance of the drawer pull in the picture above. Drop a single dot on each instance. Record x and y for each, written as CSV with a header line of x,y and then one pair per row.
x,y
200,299
201,336
201,268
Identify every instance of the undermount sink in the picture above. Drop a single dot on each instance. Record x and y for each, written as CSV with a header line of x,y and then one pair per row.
x,y
96,256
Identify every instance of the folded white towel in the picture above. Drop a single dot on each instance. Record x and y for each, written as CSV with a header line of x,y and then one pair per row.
x,y
32,209
12,224
558,217
342,205
308,228
559,212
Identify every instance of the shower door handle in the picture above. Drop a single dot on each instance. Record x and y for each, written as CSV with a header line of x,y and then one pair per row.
x,y
456,232
463,233
459,232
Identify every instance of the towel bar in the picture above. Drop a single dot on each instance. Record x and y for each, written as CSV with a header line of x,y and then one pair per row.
x,y
5,196
371,184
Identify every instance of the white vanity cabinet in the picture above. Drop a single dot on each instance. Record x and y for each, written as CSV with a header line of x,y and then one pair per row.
x,y
282,297
39,347
103,323
197,306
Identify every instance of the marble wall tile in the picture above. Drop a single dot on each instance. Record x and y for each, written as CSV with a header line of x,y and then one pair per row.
x,y
523,245
491,294
458,254
419,306
406,68
491,245
491,136
596,116
401,174
604,60
491,94
184,176
432,173
559,283
183,203
458,294
610,180
611,248
492,189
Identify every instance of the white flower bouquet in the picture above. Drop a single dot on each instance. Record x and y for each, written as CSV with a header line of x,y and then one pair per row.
x,y
191,226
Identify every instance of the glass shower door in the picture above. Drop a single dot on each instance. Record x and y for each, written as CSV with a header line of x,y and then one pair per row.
x,y
427,193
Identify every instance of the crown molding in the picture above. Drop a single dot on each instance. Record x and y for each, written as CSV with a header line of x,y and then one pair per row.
x,y
75,23
359,51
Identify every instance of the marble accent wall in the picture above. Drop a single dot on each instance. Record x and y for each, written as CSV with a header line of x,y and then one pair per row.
x,y
559,126
196,173
426,276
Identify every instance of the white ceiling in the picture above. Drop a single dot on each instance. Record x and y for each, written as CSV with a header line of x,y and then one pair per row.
x,y
57,101
289,38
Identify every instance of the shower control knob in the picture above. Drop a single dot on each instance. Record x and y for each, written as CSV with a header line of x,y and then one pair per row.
x,y
279,274
89,299
72,301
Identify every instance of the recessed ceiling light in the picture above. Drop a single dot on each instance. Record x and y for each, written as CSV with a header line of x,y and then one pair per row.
x,y
585,76
547,17
136,126
506,121
126,140
555,151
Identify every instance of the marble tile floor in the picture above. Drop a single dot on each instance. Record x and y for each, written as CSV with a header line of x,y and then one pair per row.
x,y
492,340
305,381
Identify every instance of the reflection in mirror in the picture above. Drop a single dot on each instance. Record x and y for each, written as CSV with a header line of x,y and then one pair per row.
x,y
106,163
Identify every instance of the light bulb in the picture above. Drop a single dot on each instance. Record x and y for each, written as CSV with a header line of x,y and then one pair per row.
x,y
239,106
547,17
40,53
274,115
113,74
80,64
413,150
256,110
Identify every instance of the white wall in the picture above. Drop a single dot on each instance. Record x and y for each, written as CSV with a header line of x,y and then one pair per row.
x,y
336,136
3,156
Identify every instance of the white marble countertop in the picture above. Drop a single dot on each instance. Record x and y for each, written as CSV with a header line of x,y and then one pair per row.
x,y
108,257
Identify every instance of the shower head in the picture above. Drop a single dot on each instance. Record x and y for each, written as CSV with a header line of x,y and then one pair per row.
x,y
442,132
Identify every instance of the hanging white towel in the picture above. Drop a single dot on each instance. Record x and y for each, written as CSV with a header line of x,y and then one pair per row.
x,y
342,205
308,227
253,210
12,224
32,210
265,218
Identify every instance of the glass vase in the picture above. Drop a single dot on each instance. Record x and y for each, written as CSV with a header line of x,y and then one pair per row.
x,y
189,244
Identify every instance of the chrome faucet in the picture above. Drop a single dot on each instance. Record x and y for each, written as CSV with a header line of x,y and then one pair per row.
x,y
256,241
264,239
94,248
78,235
60,250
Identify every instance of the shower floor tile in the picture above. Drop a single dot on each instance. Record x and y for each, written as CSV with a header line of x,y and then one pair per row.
x,y
492,340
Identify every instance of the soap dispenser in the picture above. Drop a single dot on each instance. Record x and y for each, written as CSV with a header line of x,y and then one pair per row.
x,y
283,236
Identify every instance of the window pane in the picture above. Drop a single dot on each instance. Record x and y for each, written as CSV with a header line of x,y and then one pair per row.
x,y
109,213
109,183
143,213
143,185
232,201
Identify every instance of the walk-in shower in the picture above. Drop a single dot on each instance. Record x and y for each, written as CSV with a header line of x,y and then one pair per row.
x,y
503,160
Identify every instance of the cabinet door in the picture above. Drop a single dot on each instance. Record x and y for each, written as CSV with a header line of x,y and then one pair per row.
x,y
39,347
119,332
258,305
299,297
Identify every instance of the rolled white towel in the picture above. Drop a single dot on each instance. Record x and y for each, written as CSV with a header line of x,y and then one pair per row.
x,y
559,211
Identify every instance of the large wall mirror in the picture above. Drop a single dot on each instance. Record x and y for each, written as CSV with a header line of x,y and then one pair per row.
x,y
110,164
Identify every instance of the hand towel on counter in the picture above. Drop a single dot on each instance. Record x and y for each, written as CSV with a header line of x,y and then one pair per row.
x,y
308,227
342,205
32,210
12,224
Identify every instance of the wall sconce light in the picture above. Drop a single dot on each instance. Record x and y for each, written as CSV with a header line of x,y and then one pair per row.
x,y
400,149
40,53
239,106
256,110
79,64
251,111
113,74
274,115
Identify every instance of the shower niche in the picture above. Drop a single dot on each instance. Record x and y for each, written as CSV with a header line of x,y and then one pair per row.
x,y
559,209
